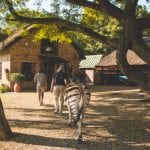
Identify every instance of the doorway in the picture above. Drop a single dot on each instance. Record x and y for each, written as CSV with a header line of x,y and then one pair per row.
x,y
49,68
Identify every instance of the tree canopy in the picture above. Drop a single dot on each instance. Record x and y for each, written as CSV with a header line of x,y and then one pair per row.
x,y
115,23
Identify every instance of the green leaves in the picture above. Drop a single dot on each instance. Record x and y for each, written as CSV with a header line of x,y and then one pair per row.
x,y
100,22
53,33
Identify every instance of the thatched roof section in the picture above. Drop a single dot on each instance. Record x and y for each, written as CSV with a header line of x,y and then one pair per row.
x,y
13,37
8,41
110,59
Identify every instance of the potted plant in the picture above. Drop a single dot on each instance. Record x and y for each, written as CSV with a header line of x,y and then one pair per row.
x,y
17,79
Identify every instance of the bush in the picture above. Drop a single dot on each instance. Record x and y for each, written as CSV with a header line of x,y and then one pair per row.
x,y
4,88
16,77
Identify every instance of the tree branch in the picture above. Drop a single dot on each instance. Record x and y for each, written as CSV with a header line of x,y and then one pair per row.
x,y
104,5
70,26
67,25
130,6
10,7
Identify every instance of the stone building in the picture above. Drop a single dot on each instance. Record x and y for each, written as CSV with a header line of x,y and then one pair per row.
x,y
21,54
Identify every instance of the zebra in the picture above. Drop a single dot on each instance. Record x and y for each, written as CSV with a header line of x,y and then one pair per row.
x,y
77,97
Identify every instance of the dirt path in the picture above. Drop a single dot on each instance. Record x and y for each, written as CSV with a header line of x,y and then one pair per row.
x,y
117,119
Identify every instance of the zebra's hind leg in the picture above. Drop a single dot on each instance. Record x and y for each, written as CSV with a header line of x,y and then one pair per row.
x,y
70,118
79,138
71,124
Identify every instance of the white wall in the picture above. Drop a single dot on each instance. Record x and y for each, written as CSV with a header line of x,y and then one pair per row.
x,y
5,65
90,75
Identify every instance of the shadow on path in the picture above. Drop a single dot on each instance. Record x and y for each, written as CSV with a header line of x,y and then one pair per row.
x,y
115,120
53,142
69,143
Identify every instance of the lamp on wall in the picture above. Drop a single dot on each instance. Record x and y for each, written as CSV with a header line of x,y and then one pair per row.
x,y
48,49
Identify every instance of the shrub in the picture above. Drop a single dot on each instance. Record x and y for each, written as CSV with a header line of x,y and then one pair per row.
x,y
16,77
4,88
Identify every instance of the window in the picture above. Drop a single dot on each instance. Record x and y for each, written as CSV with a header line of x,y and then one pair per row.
x,y
28,70
0,70
49,47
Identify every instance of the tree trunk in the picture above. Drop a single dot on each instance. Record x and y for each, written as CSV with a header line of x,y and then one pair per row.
x,y
5,131
127,69
139,76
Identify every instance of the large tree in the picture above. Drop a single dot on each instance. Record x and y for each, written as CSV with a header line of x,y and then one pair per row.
x,y
129,36
5,131
132,27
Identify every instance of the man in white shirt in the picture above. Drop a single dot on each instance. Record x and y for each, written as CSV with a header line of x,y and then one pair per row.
x,y
41,84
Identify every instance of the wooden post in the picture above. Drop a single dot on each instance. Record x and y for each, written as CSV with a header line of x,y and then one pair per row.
x,y
5,130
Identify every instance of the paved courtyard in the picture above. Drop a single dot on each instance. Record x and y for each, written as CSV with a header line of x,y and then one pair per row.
x,y
117,119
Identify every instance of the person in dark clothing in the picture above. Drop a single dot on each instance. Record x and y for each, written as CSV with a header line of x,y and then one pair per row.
x,y
59,80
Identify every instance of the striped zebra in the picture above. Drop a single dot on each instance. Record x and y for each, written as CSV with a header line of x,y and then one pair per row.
x,y
77,97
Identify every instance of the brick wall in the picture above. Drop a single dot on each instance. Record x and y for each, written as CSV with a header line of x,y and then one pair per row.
x,y
26,50
67,52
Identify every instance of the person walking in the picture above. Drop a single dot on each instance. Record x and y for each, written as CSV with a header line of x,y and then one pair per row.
x,y
59,80
41,84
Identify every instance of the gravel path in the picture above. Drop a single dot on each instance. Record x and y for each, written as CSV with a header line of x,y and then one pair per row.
x,y
117,119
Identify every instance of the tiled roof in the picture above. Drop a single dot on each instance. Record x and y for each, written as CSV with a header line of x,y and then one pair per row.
x,y
90,61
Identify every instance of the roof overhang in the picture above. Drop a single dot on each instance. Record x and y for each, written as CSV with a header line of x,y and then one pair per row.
x,y
52,58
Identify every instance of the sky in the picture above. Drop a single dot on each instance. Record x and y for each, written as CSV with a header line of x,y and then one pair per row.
x,y
143,2
46,4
